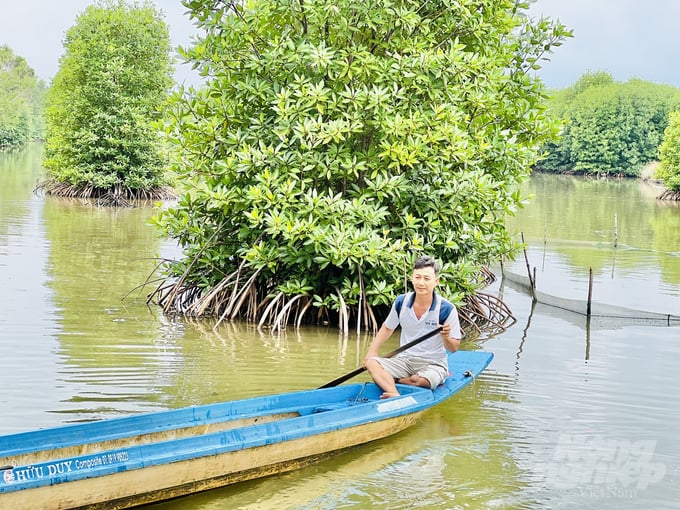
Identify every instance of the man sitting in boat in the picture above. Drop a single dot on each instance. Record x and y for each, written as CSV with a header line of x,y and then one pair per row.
x,y
418,313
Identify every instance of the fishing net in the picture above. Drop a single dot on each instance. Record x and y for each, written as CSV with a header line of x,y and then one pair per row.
x,y
601,315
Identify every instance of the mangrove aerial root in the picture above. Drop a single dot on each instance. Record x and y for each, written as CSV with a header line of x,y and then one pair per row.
x,y
115,196
485,313
238,296
669,195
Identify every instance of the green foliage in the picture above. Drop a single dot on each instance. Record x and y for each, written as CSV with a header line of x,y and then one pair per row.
x,y
335,141
669,152
609,127
21,95
591,79
115,74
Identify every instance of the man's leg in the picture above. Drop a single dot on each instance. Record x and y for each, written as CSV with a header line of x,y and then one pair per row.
x,y
415,380
382,378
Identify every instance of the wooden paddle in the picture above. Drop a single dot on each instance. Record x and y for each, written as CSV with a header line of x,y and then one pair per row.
x,y
357,371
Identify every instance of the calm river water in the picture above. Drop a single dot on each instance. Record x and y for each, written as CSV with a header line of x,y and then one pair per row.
x,y
570,414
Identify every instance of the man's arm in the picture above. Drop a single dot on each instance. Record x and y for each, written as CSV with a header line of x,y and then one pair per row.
x,y
450,344
451,333
380,338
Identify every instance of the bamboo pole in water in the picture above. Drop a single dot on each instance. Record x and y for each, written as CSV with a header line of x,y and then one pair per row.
x,y
590,292
616,230
532,278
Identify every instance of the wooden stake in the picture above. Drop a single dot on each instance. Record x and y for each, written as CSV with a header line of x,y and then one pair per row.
x,y
532,279
590,292
616,230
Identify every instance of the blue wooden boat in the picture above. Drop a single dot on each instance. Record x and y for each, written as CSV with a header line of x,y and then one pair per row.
x,y
125,462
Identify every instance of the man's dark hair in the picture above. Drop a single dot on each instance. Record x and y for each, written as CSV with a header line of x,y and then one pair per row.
x,y
427,261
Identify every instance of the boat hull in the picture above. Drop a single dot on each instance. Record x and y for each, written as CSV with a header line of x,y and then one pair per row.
x,y
125,462
161,482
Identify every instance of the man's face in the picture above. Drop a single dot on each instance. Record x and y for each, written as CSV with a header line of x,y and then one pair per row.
x,y
424,280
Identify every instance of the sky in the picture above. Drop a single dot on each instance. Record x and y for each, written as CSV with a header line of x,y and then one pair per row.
x,y
35,30
627,38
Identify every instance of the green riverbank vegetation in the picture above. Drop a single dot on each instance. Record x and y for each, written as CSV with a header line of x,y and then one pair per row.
x,y
615,129
21,101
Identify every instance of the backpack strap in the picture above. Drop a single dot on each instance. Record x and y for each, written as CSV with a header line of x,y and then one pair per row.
x,y
445,309
398,303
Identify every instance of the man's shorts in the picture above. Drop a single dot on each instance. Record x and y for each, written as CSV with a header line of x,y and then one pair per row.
x,y
403,366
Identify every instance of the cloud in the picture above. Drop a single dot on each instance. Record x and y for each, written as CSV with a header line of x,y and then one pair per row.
x,y
628,38
35,30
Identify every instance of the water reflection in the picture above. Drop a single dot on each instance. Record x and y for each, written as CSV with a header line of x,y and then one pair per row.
x,y
27,315
583,220
110,349
605,386
630,275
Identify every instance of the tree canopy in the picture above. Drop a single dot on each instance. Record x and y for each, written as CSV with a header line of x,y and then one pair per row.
x,y
334,141
21,95
114,75
609,127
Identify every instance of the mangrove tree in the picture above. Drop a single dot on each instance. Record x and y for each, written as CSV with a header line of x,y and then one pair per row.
x,y
334,141
114,75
